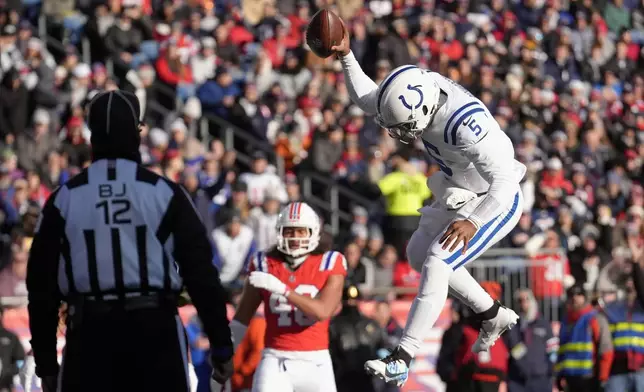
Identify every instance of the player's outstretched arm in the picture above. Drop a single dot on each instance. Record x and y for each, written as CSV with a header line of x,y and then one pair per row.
x,y
361,88
323,306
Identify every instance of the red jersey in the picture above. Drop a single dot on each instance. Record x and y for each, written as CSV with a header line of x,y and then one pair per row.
x,y
488,366
548,272
288,328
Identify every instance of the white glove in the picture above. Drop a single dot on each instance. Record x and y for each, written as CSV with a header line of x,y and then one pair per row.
x,y
263,280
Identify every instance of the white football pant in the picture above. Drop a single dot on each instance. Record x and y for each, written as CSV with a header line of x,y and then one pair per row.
x,y
290,371
442,270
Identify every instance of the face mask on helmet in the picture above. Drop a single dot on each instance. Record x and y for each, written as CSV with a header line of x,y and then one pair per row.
x,y
298,230
415,118
296,241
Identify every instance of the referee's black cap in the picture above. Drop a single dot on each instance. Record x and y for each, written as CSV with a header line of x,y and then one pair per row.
x,y
114,119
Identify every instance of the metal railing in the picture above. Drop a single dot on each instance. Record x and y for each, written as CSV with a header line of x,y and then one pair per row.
x,y
329,201
512,269
231,135
331,207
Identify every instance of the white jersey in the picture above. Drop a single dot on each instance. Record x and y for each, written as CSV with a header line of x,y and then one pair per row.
x,y
262,185
263,226
464,135
463,138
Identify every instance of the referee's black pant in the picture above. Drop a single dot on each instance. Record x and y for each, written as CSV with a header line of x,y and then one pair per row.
x,y
118,350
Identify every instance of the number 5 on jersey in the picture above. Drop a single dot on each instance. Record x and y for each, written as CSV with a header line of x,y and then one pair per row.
x,y
289,314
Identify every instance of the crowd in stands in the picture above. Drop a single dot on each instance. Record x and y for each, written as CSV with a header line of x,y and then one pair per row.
x,y
563,77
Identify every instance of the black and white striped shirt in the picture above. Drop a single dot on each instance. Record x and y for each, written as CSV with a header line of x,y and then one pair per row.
x,y
120,226
116,230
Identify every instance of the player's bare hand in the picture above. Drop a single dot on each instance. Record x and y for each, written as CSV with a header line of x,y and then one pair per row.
x,y
459,231
345,46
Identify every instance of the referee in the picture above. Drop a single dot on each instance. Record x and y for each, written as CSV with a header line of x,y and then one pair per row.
x,y
117,243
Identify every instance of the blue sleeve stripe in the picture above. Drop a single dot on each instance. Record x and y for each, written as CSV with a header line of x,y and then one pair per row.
x,y
260,261
388,81
461,119
327,260
449,122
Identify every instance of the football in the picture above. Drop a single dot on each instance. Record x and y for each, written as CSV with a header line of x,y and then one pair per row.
x,y
324,31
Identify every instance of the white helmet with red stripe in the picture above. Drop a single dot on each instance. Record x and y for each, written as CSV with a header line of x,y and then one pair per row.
x,y
290,240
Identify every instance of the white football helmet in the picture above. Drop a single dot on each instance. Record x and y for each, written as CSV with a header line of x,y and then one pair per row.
x,y
406,102
298,215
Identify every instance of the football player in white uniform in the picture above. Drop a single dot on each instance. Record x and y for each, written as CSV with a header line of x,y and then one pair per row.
x,y
478,198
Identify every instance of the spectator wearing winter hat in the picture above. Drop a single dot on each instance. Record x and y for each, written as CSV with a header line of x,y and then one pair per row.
x,y
158,141
173,164
327,150
174,72
262,180
384,266
190,182
236,202
360,269
553,183
33,146
13,106
613,277
375,243
74,146
582,189
533,348
217,95
178,134
124,38
616,197
204,64
234,246
292,188
588,259
359,235
263,220
629,229
55,174
80,83
530,152
566,228
99,76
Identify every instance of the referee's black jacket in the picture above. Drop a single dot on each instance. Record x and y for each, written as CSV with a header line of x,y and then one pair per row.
x,y
117,229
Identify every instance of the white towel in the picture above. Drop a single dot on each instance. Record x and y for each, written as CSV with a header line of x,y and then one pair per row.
x,y
449,196
455,198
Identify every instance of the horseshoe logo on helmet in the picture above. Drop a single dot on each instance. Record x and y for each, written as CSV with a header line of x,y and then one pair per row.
x,y
415,88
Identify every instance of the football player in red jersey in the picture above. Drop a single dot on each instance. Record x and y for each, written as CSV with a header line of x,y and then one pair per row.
x,y
301,288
